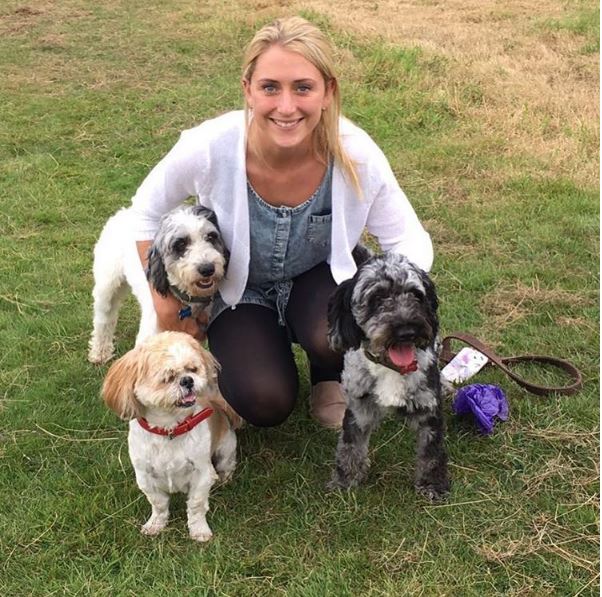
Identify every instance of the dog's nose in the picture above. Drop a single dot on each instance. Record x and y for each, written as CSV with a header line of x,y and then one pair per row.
x,y
206,269
187,382
405,333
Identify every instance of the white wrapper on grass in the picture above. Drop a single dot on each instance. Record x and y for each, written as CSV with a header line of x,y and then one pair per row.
x,y
464,365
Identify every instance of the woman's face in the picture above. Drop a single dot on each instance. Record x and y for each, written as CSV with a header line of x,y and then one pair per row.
x,y
287,94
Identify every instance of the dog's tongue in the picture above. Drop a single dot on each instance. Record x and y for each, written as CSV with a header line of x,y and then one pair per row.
x,y
188,400
403,356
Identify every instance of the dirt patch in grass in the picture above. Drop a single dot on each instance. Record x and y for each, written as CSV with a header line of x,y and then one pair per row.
x,y
507,305
523,72
521,77
547,537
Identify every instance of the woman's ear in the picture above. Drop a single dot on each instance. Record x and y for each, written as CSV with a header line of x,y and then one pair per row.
x,y
331,86
246,88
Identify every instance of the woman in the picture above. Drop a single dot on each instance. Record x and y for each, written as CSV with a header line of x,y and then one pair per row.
x,y
293,185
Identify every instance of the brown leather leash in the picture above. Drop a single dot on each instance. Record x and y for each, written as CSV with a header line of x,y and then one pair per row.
x,y
503,362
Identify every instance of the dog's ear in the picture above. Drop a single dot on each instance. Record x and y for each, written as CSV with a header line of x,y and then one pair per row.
x,y
215,398
208,214
211,364
226,254
431,291
218,402
431,299
343,332
156,273
118,387
221,247
361,254
204,212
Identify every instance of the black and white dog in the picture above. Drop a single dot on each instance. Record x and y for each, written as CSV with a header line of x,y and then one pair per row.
x,y
385,321
188,259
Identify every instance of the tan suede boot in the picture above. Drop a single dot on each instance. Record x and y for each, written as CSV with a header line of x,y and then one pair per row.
x,y
327,404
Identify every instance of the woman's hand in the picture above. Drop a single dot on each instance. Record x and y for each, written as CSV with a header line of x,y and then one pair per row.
x,y
168,307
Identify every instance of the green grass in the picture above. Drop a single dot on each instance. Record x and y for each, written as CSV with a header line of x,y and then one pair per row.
x,y
584,21
92,96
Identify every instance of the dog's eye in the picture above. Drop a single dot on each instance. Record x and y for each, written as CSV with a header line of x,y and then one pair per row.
x,y
169,378
417,294
377,298
179,246
192,369
211,237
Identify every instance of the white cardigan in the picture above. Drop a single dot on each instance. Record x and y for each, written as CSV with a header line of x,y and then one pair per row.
x,y
208,162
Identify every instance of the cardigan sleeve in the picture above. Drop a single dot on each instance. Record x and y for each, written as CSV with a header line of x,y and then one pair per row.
x,y
393,221
176,177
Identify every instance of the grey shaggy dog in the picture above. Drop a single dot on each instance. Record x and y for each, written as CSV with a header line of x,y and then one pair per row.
x,y
385,321
188,259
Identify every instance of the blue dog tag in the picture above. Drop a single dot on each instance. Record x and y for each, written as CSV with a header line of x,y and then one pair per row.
x,y
185,312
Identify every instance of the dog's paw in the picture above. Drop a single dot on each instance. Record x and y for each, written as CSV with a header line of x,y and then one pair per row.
x,y
224,476
335,483
202,535
99,355
338,485
346,481
433,492
152,527
448,389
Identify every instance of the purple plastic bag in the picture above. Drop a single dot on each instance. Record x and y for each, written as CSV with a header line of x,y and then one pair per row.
x,y
485,402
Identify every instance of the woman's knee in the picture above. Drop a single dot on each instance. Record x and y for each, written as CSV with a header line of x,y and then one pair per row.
x,y
262,407
315,343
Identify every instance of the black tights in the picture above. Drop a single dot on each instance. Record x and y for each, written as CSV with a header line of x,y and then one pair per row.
x,y
258,374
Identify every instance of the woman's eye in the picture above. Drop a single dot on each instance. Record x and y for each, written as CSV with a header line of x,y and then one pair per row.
x,y
304,89
269,89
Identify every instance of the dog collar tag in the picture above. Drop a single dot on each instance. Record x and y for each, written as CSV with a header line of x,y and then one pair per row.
x,y
185,312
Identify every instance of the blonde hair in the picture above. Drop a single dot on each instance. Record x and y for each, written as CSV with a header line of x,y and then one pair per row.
x,y
300,36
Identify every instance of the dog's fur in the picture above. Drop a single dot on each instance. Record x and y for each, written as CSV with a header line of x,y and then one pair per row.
x,y
385,320
187,257
164,380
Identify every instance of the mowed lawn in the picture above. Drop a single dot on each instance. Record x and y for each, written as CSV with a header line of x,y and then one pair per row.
x,y
489,115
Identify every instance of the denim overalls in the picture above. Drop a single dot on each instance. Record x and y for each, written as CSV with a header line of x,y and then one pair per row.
x,y
285,242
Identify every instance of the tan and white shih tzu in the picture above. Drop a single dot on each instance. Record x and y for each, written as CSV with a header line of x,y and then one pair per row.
x,y
181,436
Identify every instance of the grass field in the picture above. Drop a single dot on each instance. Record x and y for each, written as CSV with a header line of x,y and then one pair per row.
x,y
489,114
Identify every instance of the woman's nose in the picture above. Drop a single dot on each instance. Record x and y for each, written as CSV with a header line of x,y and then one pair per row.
x,y
286,102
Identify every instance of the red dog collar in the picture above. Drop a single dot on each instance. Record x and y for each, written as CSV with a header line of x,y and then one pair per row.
x,y
184,427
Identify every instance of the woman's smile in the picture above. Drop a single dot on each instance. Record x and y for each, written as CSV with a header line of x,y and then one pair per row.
x,y
286,124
